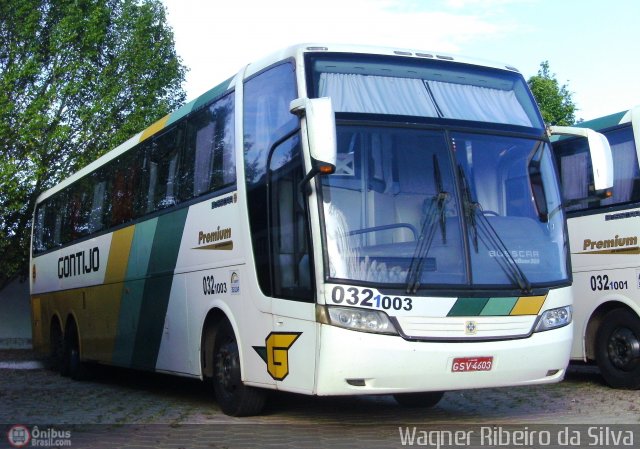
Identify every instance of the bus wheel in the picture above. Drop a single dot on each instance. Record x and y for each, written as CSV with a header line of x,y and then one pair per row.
x,y
618,349
414,400
72,365
234,398
56,347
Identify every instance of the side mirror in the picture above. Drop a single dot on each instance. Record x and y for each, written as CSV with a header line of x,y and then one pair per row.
x,y
599,150
321,132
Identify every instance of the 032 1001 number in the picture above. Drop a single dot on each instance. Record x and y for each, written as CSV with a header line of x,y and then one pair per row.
x,y
354,296
602,282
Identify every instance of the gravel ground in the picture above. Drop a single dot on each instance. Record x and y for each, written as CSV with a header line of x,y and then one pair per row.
x,y
119,396
118,402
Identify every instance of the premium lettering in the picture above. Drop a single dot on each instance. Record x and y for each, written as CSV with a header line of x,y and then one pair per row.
x,y
214,236
615,242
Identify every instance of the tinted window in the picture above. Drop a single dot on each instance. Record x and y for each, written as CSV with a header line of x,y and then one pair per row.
x,y
288,223
125,183
210,157
164,162
266,120
576,171
184,161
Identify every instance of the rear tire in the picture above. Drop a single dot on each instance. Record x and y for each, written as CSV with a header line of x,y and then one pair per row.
x,y
56,348
72,365
234,398
415,400
618,349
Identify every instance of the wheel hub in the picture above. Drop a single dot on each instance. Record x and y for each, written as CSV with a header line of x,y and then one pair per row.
x,y
624,349
227,369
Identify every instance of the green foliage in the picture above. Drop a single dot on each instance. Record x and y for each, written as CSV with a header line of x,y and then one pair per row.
x,y
77,78
555,101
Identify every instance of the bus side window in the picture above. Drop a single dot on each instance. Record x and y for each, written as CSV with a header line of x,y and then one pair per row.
x,y
224,166
39,243
122,174
575,172
59,211
76,221
163,169
209,160
46,225
98,194
626,182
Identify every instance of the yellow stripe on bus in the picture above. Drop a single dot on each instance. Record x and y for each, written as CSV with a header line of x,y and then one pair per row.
x,y
528,305
119,255
157,126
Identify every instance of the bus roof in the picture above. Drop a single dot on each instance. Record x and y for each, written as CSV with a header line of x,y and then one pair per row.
x,y
608,121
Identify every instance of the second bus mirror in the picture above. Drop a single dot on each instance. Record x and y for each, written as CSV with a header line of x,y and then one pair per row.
x,y
599,150
321,132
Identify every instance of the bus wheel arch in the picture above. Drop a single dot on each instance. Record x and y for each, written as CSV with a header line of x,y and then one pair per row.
x,y
617,348
221,367
594,323
209,328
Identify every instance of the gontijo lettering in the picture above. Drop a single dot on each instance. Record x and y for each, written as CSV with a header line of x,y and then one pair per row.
x,y
82,262
615,242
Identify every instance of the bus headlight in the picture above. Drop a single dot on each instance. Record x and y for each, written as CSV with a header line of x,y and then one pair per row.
x,y
554,318
364,320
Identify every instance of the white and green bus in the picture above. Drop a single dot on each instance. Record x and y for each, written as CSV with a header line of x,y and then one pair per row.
x,y
333,220
605,251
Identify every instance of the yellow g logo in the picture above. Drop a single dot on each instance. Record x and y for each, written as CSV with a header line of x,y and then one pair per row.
x,y
276,352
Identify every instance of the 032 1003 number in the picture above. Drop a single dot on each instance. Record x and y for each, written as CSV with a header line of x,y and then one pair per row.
x,y
354,296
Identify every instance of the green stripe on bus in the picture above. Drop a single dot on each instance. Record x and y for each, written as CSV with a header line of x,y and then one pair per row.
x,y
468,307
199,102
141,249
131,302
211,94
498,306
128,322
157,288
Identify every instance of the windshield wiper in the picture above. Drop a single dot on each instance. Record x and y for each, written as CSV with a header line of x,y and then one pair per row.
x,y
432,215
486,233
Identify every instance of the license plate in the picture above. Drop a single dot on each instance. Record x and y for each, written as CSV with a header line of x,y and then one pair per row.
x,y
465,364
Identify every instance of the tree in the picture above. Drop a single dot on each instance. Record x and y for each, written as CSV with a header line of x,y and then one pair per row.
x,y
555,101
77,78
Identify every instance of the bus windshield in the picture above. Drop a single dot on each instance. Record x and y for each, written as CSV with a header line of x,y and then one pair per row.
x,y
417,208
439,204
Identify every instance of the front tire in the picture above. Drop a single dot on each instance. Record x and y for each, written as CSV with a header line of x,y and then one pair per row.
x,y
416,400
618,349
234,398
